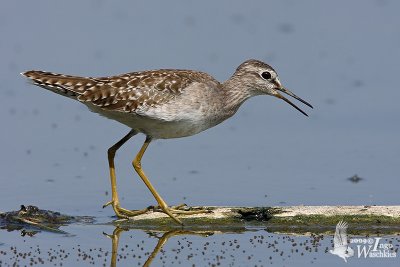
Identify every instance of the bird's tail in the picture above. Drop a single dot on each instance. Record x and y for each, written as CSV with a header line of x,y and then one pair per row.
x,y
66,85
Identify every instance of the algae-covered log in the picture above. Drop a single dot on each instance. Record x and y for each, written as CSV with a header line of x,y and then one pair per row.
x,y
279,218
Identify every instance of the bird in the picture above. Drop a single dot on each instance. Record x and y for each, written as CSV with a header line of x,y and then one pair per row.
x,y
164,104
340,244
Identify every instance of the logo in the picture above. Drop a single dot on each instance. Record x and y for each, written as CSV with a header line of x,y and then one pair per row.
x,y
340,244
366,247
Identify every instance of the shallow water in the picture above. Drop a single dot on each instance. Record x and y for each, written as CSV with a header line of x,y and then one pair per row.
x,y
105,245
340,56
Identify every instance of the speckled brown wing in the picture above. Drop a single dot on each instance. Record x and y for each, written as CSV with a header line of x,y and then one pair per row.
x,y
126,93
132,91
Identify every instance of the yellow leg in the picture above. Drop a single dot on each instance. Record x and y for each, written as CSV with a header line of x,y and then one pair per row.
x,y
120,212
138,167
125,213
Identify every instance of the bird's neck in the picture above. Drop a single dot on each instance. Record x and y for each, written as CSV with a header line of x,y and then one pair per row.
x,y
235,93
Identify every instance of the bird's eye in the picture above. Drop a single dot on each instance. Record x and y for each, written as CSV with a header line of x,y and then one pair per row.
x,y
266,75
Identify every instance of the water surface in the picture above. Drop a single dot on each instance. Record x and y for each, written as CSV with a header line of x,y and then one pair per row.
x,y
340,56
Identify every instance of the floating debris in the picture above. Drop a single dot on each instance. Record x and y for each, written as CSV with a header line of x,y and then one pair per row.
x,y
256,214
355,178
31,220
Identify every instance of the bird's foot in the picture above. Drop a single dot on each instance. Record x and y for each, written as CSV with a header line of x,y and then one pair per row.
x,y
171,211
123,213
182,209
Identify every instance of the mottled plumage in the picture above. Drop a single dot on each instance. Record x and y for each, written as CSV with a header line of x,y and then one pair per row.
x,y
126,92
164,104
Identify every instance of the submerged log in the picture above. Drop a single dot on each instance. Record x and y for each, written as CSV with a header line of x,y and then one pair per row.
x,y
277,219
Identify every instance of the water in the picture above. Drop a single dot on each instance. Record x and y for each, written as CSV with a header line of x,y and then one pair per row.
x,y
340,56
253,247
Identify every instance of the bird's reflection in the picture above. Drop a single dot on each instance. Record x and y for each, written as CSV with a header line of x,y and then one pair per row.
x,y
163,237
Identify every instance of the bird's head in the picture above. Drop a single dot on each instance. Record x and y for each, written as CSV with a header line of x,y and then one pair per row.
x,y
261,78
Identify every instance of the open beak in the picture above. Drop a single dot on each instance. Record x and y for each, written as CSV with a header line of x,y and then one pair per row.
x,y
286,91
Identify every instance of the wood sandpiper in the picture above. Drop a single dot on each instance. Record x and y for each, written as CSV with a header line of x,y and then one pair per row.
x,y
163,104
